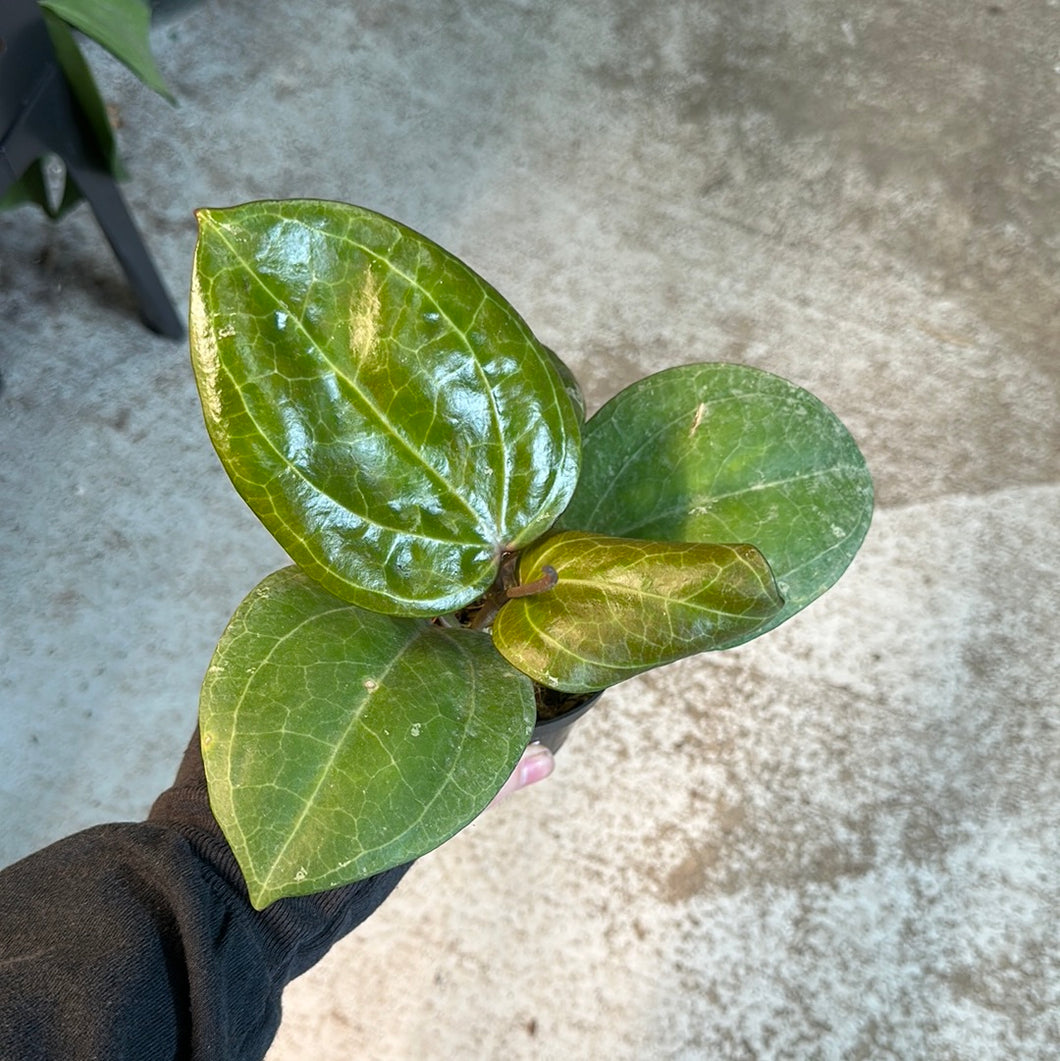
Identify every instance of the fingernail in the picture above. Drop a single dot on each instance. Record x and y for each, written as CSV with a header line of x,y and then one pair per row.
x,y
536,765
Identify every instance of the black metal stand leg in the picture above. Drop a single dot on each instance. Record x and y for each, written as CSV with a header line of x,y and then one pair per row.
x,y
117,224
40,114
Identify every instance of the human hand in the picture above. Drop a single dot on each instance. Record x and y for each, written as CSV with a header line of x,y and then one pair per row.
x,y
535,765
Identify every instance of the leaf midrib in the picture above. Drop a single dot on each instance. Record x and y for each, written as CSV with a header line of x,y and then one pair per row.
x,y
710,499
498,426
646,594
662,429
355,714
300,473
369,404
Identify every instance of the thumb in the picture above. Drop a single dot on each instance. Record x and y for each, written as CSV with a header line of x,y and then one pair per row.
x,y
535,765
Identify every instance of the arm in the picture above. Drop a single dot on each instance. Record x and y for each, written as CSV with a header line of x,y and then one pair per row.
x,y
137,941
134,941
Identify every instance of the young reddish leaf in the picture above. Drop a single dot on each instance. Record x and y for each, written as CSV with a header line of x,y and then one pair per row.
x,y
620,606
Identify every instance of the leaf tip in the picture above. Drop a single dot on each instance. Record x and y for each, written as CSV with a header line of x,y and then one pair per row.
x,y
208,217
259,897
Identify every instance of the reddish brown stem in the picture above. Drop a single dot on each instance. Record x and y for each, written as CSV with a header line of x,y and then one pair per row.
x,y
548,579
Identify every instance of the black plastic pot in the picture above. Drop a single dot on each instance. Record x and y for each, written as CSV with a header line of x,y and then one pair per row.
x,y
552,732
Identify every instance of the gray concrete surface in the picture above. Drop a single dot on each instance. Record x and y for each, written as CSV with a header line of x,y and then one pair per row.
x,y
837,842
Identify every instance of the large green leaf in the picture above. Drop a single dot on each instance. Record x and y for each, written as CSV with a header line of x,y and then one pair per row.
x,y
340,742
120,26
382,409
728,453
621,606
570,384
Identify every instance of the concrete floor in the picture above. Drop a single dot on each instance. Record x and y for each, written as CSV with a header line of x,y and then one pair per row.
x,y
837,842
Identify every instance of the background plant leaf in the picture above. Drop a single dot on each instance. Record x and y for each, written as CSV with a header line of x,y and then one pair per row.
x,y
83,85
120,26
721,452
340,742
381,408
622,606
33,187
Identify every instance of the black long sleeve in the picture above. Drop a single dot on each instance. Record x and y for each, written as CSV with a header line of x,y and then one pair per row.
x,y
137,941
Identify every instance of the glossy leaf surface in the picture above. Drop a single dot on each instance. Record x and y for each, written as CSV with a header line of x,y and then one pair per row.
x,y
721,452
622,606
340,742
570,384
381,408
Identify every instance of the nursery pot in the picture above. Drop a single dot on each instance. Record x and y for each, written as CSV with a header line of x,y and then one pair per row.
x,y
552,732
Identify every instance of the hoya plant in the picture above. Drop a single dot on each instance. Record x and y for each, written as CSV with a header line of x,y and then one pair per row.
x,y
468,552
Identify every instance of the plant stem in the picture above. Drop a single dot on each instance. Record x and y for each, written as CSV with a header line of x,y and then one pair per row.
x,y
548,579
